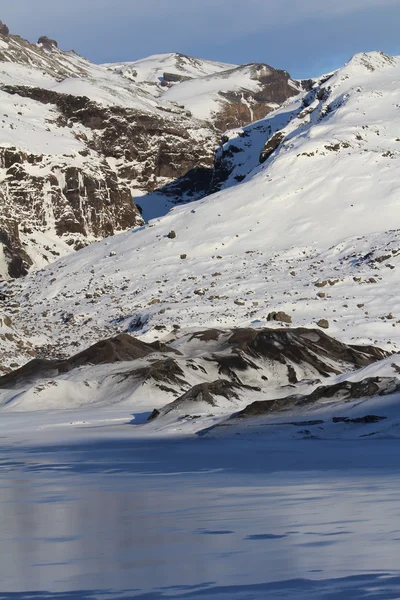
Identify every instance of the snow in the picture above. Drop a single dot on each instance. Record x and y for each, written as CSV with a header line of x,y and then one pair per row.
x,y
152,68
203,96
312,213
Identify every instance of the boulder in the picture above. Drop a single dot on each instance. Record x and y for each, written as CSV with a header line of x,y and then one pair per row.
x,y
323,323
279,316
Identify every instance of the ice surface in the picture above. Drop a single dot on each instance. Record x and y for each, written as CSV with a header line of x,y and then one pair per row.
x,y
85,515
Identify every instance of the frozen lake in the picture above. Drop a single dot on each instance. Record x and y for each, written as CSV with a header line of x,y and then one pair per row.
x,y
231,519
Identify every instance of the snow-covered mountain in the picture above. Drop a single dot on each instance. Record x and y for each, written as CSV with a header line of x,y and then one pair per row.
x,y
228,95
309,231
156,70
300,231
80,140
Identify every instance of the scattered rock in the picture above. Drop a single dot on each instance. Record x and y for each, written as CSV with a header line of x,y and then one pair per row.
x,y
279,316
323,323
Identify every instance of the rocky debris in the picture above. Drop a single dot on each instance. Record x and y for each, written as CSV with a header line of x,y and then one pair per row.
x,y
323,323
172,235
280,317
47,43
4,30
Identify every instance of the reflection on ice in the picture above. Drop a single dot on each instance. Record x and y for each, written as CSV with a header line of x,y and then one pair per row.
x,y
200,519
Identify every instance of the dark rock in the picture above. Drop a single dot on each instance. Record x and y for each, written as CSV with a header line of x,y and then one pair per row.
x,y
161,371
156,413
4,30
172,235
270,147
344,391
17,260
302,346
366,419
174,78
47,43
279,316
323,323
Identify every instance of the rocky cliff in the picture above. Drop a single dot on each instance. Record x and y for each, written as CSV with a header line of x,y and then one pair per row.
x,y
80,141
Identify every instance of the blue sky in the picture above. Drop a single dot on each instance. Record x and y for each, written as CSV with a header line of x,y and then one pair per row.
x,y
305,37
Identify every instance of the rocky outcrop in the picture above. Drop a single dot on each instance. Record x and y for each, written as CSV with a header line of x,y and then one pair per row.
x,y
47,43
344,391
245,106
16,258
4,30
87,194
94,201
150,148
169,78
77,203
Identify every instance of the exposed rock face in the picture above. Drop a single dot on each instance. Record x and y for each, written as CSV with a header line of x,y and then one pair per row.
x,y
94,201
245,106
16,258
136,143
47,43
344,391
169,78
79,202
119,349
4,30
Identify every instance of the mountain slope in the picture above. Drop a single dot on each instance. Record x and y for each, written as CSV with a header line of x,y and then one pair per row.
x,y
228,95
77,140
308,232
151,70
81,141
